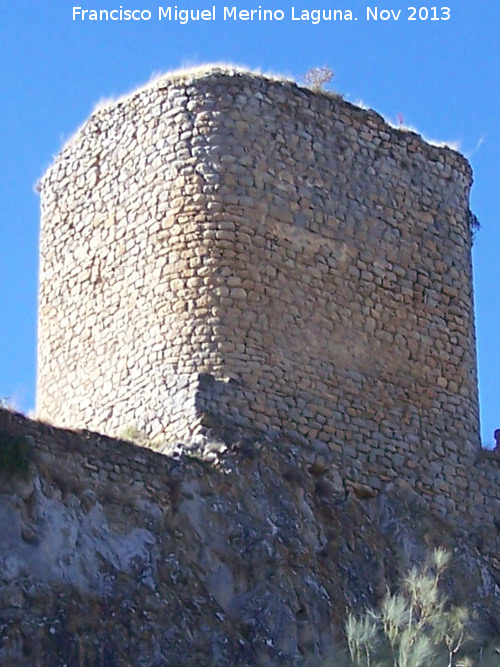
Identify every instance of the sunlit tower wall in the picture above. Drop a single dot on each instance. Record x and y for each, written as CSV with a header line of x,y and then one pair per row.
x,y
225,244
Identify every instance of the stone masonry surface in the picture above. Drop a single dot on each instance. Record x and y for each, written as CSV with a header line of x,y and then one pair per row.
x,y
223,247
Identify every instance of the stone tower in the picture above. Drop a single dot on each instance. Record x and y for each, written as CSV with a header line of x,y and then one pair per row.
x,y
223,243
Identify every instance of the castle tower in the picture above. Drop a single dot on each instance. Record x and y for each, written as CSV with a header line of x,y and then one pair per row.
x,y
224,243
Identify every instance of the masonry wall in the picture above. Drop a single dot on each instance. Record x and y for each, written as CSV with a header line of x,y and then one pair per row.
x,y
231,245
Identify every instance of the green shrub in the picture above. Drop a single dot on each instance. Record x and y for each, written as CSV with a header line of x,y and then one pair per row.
x,y
132,433
15,454
414,627
474,225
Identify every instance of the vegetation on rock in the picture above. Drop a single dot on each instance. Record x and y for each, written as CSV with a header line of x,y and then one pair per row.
x,y
15,454
317,77
415,627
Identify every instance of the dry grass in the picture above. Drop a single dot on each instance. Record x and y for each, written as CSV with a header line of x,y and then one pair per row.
x,y
160,80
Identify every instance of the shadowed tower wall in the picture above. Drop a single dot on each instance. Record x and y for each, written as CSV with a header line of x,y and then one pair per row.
x,y
224,243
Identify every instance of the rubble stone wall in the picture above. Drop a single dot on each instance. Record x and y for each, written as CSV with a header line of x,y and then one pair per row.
x,y
230,247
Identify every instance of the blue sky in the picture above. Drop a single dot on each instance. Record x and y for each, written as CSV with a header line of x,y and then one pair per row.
x,y
442,76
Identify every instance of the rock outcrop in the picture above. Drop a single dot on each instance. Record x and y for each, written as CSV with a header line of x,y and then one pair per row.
x,y
112,554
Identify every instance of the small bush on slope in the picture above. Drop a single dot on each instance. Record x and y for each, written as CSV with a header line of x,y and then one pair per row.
x,y
415,627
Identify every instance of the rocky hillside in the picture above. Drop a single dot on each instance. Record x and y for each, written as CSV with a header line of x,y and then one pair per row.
x,y
115,555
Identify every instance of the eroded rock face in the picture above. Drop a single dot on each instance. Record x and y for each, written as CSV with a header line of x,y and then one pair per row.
x,y
249,560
